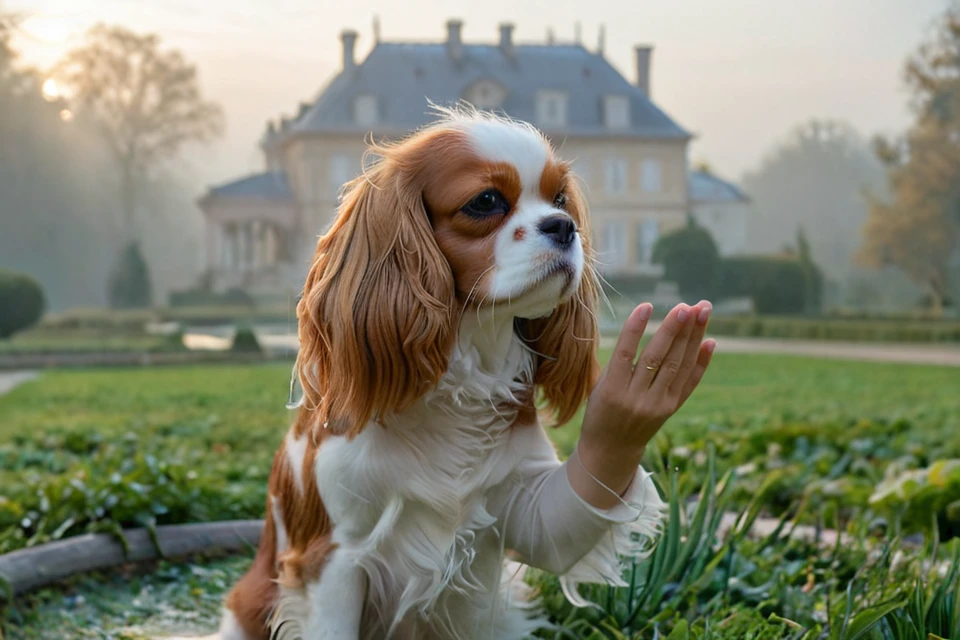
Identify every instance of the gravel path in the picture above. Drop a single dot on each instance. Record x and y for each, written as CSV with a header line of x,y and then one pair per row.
x,y
947,355
11,379
943,354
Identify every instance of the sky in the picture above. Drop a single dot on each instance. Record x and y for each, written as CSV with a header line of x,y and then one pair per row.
x,y
739,74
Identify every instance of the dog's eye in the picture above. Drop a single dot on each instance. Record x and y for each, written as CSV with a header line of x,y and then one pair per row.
x,y
560,202
489,203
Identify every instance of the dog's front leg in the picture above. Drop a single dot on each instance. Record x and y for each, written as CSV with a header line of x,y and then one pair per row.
x,y
336,600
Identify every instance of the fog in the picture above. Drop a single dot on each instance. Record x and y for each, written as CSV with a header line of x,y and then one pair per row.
x,y
746,77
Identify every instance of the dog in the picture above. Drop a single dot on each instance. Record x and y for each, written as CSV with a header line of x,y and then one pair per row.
x,y
454,292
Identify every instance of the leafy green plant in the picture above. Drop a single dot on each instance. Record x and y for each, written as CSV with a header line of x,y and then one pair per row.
x,y
21,302
914,495
76,484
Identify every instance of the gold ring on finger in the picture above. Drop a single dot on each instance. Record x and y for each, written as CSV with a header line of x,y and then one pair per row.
x,y
649,368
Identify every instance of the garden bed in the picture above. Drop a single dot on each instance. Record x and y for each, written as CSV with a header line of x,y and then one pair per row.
x,y
809,439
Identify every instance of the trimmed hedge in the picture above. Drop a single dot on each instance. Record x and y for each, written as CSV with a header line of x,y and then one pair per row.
x,y
836,329
200,298
21,302
134,320
776,284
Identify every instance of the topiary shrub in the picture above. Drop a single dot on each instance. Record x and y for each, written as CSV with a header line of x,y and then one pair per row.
x,y
245,341
690,258
21,302
129,285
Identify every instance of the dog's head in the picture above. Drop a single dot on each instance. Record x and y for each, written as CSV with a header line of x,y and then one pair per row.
x,y
472,212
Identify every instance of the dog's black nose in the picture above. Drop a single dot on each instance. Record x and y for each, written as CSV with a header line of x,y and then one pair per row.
x,y
560,228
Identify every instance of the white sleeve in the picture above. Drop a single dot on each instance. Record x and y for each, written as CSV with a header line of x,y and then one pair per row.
x,y
550,527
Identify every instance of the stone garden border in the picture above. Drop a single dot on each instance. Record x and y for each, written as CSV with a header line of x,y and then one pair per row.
x,y
35,567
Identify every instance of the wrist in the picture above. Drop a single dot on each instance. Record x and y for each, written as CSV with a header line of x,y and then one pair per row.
x,y
600,480
606,460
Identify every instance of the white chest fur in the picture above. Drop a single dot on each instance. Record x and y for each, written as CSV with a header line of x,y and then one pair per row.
x,y
409,499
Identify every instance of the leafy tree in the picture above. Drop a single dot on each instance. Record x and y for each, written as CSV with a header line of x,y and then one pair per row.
x,y
813,276
21,302
690,258
815,178
918,228
146,103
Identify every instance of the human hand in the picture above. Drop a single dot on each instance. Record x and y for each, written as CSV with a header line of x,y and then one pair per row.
x,y
634,398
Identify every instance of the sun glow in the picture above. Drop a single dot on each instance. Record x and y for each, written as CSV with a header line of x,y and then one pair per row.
x,y
49,29
51,90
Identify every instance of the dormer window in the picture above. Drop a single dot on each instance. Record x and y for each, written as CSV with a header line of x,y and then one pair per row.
x,y
365,110
616,112
485,94
551,110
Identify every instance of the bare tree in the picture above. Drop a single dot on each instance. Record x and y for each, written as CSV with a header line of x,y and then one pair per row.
x,y
145,101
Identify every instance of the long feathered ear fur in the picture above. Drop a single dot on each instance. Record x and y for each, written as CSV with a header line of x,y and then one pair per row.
x,y
376,321
566,341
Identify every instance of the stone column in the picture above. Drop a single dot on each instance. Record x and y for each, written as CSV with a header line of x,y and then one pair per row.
x,y
226,254
270,233
212,244
247,255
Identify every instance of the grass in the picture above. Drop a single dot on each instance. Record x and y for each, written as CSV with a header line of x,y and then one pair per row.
x,y
146,446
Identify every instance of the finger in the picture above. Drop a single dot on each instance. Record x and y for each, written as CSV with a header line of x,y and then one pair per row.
x,y
621,364
689,360
671,363
705,353
654,354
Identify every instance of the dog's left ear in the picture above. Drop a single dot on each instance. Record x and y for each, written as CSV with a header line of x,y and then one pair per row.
x,y
567,340
377,314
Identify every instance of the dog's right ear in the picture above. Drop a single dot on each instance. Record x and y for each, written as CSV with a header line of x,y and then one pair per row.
x,y
376,320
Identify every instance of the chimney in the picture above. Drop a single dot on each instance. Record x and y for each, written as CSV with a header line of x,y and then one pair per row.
x,y
644,53
349,40
455,39
506,38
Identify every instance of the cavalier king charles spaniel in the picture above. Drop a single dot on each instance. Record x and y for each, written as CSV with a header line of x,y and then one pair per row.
x,y
454,291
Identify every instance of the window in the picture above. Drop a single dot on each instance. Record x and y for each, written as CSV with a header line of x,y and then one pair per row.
x,y
651,179
614,252
648,232
340,172
485,94
551,109
616,176
365,110
616,112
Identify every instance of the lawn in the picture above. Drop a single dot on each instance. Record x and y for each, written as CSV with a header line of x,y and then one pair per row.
x,y
91,450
